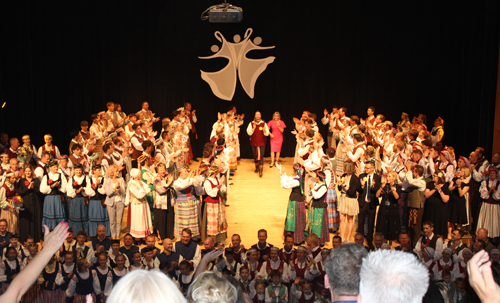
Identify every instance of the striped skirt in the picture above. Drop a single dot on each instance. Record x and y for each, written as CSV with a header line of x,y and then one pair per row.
x,y
341,156
78,218
488,218
186,216
33,295
333,214
296,221
214,222
54,211
98,215
55,296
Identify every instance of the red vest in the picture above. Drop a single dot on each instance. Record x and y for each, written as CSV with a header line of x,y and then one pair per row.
x,y
52,152
269,269
258,138
304,300
42,167
306,156
9,193
253,273
12,155
288,257
441,267
209,199
300,272
109,159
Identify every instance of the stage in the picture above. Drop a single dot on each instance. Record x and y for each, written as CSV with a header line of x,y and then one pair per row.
x,y
255,203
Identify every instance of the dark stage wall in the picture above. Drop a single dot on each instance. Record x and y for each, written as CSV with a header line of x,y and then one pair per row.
x,y
61,61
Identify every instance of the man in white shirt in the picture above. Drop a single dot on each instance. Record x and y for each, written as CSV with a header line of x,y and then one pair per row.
x,y
414,185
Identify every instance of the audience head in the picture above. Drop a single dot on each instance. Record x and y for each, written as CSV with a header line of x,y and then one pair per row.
x,y
262,235
342,269
406,280
211,287
428,227
145,286
186,236
359,239
336,241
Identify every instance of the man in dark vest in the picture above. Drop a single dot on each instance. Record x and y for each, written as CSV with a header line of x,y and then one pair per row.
x,y
429,239
258,130
188,249
414,185
170,256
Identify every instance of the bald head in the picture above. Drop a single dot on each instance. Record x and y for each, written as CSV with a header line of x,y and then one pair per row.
x,y
101,231
209,243
482,234
168,245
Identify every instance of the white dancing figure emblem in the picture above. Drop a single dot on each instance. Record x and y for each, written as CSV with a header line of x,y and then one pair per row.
x,y
223,82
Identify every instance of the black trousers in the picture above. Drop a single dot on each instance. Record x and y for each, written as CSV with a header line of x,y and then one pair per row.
x,y
367,213
262,150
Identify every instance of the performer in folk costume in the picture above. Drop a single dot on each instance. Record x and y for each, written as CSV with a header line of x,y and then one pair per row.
x,y
257,130
187,204
8,193
140,225
277,126
214,222
53,185
52,149
295,221
490,208
331,194
317,221
79,190
98,214
163,204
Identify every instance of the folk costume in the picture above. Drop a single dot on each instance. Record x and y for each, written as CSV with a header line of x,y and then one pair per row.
x,y
258,130
214,222
295,221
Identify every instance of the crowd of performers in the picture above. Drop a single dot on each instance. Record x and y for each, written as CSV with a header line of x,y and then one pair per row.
x,y
402,171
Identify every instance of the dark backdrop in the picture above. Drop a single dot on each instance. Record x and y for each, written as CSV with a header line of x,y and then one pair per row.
x,y
61,61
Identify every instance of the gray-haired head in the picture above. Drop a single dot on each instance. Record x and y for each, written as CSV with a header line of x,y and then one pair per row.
x,y
343,266
390,276
145,286
212,287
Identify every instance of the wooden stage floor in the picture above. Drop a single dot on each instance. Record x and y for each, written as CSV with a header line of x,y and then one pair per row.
x,y
255,203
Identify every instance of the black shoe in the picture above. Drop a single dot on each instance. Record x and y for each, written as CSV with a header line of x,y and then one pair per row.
x,y
196,160
230,183
230,179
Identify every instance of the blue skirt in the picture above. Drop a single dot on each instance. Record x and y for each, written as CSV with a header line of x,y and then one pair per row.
x,y
98,215
54,212
78,215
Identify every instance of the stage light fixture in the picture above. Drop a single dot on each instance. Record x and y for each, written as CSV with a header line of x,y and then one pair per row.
x,y
223,13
